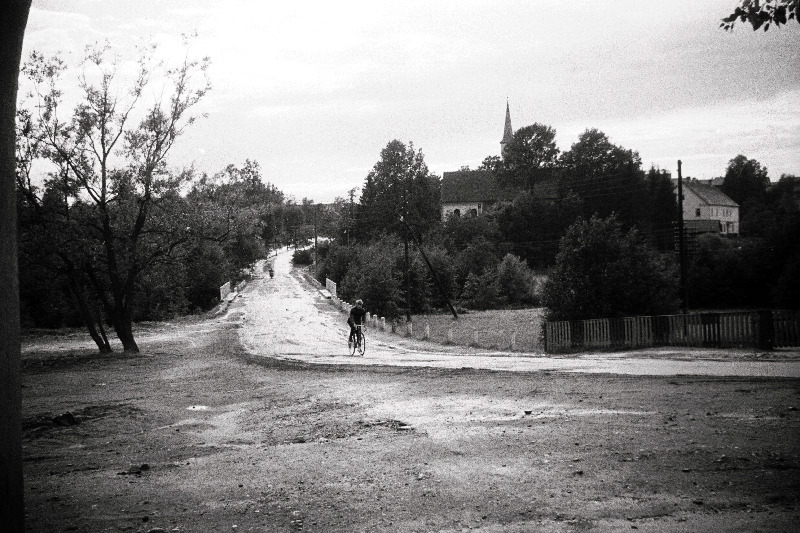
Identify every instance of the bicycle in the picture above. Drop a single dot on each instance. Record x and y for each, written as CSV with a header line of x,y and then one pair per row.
x,y
360,342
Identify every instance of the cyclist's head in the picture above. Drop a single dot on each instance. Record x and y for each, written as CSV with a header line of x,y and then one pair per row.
x,y
359,303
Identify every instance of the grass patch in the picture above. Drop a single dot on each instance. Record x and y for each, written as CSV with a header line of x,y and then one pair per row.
x,y
486,329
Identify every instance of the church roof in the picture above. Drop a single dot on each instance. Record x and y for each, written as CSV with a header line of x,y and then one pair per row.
x,y
508,133
464,186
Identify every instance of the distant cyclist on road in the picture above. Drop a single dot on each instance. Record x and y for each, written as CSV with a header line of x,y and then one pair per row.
x,y
356,317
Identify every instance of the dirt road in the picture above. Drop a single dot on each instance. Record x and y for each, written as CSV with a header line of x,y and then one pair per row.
x,y
283,318
213,428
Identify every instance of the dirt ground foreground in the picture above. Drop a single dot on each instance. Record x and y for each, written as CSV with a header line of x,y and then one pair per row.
x,y
213,428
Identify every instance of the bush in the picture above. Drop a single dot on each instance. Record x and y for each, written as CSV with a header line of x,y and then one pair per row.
x,y
442,264
373,278
601,272
336,263
303,257
160,292
726,273
481,292
478,258
516,281
207,268
786,292
323,249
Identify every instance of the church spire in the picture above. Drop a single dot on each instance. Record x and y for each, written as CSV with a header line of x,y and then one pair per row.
x,y
508,133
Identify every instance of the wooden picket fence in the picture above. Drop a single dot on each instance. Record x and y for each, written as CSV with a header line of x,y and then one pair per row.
x,y
764,330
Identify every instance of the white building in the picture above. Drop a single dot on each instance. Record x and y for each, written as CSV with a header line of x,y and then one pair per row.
x,y
705,204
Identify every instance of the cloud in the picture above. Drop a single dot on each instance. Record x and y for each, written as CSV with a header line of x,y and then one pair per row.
x,y
709,136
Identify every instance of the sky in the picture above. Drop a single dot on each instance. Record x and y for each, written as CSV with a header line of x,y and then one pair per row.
x,y
314,91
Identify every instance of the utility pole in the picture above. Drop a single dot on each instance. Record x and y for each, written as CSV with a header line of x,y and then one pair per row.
x,y
682,244
433,272
350,224
407,282
404,220
315,239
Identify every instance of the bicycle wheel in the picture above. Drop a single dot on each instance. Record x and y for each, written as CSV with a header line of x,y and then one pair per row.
x,y
362,344
351,345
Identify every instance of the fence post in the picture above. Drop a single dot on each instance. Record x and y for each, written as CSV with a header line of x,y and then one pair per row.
x,y
513,341
224,290
766,330
383,323
449,335
427,331
547,326
410,328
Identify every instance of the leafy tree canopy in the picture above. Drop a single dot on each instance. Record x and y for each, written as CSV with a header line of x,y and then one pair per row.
x,y
603,272
399,187
605,177
762,13
112,178
492,163
745,179
662,210
532,149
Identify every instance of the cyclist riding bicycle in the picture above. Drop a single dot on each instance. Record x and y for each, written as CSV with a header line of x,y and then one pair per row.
x,y
356,317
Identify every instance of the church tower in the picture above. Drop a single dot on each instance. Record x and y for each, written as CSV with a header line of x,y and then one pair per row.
x,y
508,133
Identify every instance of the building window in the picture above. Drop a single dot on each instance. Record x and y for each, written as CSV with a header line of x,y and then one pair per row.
x,y
473,213
457,212
697,212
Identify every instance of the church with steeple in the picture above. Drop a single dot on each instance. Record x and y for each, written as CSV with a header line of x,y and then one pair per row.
x,y
469,193
508,133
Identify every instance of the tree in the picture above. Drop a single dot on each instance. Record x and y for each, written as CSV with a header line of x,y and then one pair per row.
x,y
786,290
492,163
117,171
399,186
725,273
662,210
762,13
458,232
533,226
530,156
606,178
745,179
53,250
372,276
241,212
479,258
13,19
516,281
603,272
482,291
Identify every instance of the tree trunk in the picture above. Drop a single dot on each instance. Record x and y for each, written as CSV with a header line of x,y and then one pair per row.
x,y
123,326
94,322
13,19
103,332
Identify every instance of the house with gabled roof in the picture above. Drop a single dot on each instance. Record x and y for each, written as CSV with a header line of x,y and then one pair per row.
x,y
706,209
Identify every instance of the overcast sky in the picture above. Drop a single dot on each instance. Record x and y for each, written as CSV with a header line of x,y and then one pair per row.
x,y
314,90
